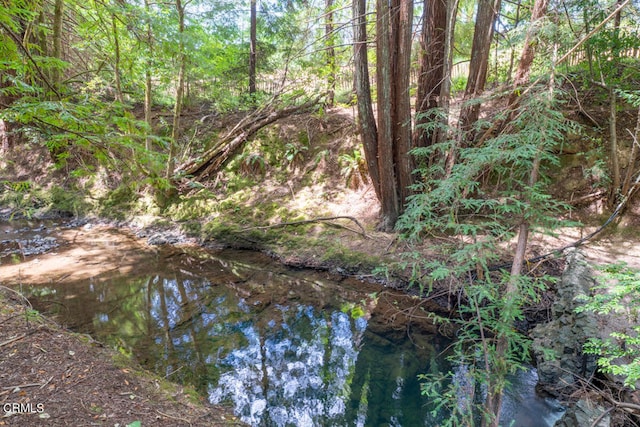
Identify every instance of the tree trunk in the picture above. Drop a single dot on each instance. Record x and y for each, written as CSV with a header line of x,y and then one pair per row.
x,y
613,146
635,143
177,111
148,95
116,68
253,55
331,53
433,45
403,31
528,51
445,87
366,121
58,14
388,187
482,36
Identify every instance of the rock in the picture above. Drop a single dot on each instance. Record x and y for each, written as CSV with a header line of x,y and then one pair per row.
x,y
566,334
584,413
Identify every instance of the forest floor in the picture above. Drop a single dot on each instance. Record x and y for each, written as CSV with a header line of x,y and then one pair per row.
x,y
77,381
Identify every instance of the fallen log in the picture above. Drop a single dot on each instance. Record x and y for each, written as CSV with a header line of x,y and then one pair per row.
x,y
214,159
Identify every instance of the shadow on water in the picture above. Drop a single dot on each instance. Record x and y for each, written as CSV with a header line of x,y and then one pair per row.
x,y
283,347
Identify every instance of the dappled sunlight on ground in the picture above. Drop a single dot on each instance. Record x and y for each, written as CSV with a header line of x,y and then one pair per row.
x,y
361,203
605,248
82,253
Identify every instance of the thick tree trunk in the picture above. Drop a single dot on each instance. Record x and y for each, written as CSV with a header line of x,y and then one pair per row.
x,y
366,120
432,68
388,187
253,41
403,9
483,34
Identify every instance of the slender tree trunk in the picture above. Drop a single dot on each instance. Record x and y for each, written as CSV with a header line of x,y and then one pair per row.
x,y
433,63
512,54
177,111
331,53
483,35
388,188
116,71
253,55
445,88
635,145
58,14
148,94
529,50
403,9
366,121
613,144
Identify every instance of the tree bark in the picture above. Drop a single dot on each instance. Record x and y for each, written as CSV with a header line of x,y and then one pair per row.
x,y
445,87
528,51
58,14
635,145
482,36
148,88
177,111
116,68
253,41
388,187
331,53
433,61
403,9
613,146
366,121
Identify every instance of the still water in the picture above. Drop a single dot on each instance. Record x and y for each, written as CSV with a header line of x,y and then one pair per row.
x,y
282,347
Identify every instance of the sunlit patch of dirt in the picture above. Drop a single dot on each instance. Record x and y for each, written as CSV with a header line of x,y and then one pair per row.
x,y
81,253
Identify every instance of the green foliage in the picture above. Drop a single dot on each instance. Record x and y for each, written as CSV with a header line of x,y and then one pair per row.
x,y
478,205
617,295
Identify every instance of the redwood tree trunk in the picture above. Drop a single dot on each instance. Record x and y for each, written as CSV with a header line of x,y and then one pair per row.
x,y
388,188
366,120
403,30
483,34
432,67
529,49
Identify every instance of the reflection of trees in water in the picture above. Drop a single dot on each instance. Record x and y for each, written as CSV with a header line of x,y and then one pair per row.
x,y
309,358
277,345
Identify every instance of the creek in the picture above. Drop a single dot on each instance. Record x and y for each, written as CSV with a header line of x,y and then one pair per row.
x,y
281,346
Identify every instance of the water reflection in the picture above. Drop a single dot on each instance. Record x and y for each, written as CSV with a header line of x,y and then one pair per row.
x,y
283,347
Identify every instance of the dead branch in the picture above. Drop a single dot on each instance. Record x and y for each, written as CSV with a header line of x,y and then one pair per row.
x,y
12,340
217,157
362,232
